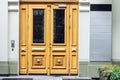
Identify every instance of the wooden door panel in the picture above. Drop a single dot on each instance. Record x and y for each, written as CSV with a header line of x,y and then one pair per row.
x,y
23,38
49,39
59,48
37,41
73,39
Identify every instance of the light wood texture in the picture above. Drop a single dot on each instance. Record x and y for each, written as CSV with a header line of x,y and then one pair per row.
x,y
73,38
48,57
68,1
37,56
23,39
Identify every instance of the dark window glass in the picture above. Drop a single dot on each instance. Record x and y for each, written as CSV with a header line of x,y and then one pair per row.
x,y
38,26
59,23
101,7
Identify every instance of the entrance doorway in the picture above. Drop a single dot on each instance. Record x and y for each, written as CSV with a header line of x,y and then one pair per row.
x,y
48,38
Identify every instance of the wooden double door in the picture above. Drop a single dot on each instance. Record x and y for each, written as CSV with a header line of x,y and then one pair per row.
x,y
48,39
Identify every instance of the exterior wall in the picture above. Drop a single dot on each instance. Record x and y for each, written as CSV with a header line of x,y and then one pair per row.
x,y
101,1
3,37
84,36
9,30
116,31
86,67
84,27
13,21
100,32
3,30
84,30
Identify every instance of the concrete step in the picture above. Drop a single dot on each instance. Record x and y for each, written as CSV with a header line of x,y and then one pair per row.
x,y
38,77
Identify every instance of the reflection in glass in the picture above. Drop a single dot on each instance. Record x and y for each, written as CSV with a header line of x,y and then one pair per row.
x,y
59,23
38,26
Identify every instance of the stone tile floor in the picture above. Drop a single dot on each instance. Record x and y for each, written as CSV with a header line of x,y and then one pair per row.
x,y
42,77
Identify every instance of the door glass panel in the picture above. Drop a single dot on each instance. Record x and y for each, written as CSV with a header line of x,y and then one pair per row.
x,y
38,26
59,24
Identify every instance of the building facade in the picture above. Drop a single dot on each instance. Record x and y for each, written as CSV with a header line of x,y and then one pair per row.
x,y
91,43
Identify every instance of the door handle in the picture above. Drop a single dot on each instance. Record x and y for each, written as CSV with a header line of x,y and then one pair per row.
x,y
50,45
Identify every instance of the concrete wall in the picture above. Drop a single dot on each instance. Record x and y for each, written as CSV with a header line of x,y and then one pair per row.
x,y
84,27
87,68
84,30
3,37
13,30
101,1
3,30
9,30
13,21
116,30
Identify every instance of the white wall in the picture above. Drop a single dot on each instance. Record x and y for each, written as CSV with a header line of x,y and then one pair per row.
x,y
84,30
116,30
9,30
13,35
13,21
101,1
84,36
3,30
84,27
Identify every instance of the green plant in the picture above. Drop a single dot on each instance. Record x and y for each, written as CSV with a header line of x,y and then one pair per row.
x,y
112,72
115,74
105,70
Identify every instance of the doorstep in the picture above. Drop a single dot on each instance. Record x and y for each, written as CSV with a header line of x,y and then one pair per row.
x,y
40,77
